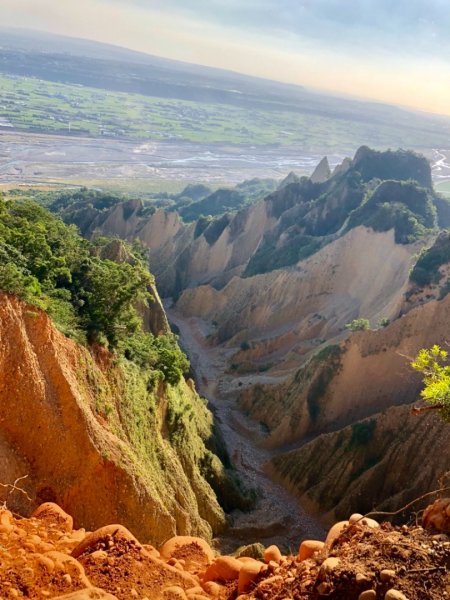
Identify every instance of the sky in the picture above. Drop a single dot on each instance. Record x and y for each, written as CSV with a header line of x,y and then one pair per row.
x,y
395,51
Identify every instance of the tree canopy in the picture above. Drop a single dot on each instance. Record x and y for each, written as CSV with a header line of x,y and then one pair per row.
x,y
89,297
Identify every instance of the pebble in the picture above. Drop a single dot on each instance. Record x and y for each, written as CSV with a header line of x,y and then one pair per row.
x,y
368,595
387,575
335,532
323,589
174,592
370,523
45,562
272,553
247,575
99,555
329,565
393,594
308,548
362,578
355,517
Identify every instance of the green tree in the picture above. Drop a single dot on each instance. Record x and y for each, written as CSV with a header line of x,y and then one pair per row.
x,y
90,297
384,322
358,325
433,364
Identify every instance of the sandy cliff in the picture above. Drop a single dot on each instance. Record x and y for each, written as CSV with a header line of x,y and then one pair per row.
x,y
381,463
366,374
90,436
289,312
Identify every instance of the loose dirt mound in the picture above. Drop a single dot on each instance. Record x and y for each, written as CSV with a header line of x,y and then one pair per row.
x,y
42,557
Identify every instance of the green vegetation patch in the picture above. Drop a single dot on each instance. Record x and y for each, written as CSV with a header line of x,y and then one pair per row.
x,y
426,270
400,205
89,297
36,105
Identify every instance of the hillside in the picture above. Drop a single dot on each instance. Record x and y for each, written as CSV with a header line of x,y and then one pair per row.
x,y
289,225
107,416
300,401
369,449
312,255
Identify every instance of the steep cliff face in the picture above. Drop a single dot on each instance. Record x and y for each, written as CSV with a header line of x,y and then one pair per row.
x,y
430,277
366,374
290,224
381,463
361,274
354,399
98,437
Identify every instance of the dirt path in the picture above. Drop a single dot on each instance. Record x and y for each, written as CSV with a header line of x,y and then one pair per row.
x,y
278,518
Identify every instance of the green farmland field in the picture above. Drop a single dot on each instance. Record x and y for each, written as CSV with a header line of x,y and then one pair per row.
x,y
41,106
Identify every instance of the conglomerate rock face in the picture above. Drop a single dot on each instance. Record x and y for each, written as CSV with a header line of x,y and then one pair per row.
x,y
66,425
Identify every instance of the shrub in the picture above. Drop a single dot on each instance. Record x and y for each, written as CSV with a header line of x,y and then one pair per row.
x,y
384,322
433,364
358,325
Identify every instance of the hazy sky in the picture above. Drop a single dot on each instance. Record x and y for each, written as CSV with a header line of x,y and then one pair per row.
x,y
392,50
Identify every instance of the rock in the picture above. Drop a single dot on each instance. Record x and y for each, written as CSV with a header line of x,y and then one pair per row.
x,y
6,517
248,574
52,513
362,578
335,532
103,535
99,555
324,589
194,551
394,595
387,575
65,562
213,589
322,172
368,595
355,517
251,550
271,581
436,516
88,594
195,590
328,566
45,562
343,167
224,568
174,592
308,548
290,178
370,523
272,553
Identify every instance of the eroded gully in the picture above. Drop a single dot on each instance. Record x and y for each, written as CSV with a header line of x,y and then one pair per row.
x,y
277,518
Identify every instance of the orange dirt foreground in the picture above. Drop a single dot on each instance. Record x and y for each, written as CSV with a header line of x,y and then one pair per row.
x,y
44,557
